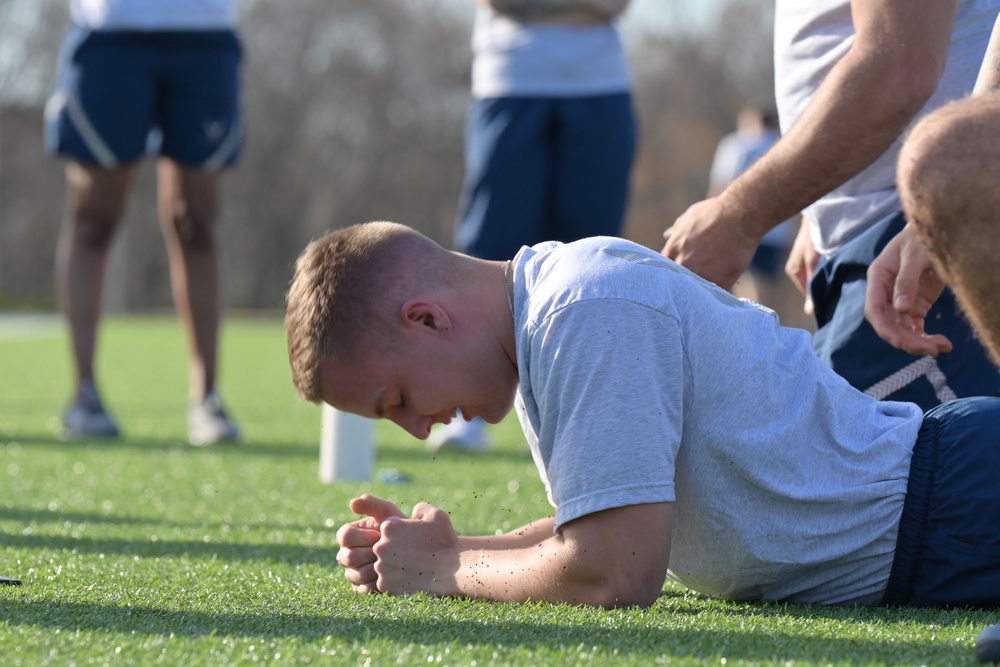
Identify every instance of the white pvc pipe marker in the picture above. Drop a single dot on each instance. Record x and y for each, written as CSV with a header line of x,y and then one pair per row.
x,y
346,446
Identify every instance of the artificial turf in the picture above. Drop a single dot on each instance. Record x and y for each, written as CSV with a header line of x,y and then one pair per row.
x,y
147,551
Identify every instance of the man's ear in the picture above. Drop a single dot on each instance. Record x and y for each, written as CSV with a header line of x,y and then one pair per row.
x,y
425,315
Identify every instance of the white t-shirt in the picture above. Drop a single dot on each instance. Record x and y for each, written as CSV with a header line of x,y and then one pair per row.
x,y
154,14
810,36
642,383
545,59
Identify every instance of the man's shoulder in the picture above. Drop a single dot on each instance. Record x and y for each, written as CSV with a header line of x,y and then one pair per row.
x,y
590,246
583,260
599,268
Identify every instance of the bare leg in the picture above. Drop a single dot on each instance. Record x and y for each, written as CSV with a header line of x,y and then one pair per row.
x,y
95,201
188,203
947,181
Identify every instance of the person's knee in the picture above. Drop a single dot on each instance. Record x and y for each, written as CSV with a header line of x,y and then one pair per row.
x,y
96,204
189,206
944,165
94,227
922,175
194,230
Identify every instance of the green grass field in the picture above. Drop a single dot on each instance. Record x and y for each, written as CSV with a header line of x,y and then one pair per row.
x,y
147,551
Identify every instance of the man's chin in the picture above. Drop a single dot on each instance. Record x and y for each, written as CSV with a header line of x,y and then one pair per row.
x,y
498,416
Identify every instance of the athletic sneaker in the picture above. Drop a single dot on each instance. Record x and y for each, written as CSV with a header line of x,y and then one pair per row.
x,y
470,435
87,418
208,422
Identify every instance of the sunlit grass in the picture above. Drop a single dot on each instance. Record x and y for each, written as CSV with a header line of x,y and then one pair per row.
x,y
148,551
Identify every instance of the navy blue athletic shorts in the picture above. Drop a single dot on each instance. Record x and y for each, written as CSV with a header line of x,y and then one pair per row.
x,y
848,343
769,260
544,169
121,94
948,550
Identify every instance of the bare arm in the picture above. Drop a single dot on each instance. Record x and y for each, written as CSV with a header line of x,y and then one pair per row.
x,y
989,73
613,558
525,536
863,105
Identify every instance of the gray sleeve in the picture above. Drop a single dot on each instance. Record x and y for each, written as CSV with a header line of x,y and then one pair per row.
x,y
607,377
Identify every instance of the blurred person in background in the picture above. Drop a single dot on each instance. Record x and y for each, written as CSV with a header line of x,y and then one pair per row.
x,y
136,77
764,280
550,137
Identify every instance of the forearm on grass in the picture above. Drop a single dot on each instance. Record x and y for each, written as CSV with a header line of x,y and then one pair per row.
x,y
552,570
529,535
613,558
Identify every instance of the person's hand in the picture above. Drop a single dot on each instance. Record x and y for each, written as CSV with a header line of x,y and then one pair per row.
x,y
902,287
418,554
802,261
357,539
708,242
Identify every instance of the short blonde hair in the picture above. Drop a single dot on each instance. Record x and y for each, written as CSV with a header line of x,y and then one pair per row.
x,y
344,298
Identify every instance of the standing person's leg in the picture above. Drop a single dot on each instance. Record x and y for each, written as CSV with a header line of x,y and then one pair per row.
x,y
188,206
95,202
97,116
202,134
593,146
947,181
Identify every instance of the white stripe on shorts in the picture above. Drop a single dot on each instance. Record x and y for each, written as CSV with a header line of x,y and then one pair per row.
x,y
924,367
95,144
229,145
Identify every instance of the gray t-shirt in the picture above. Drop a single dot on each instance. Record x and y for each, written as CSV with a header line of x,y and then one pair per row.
x,y
642,383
